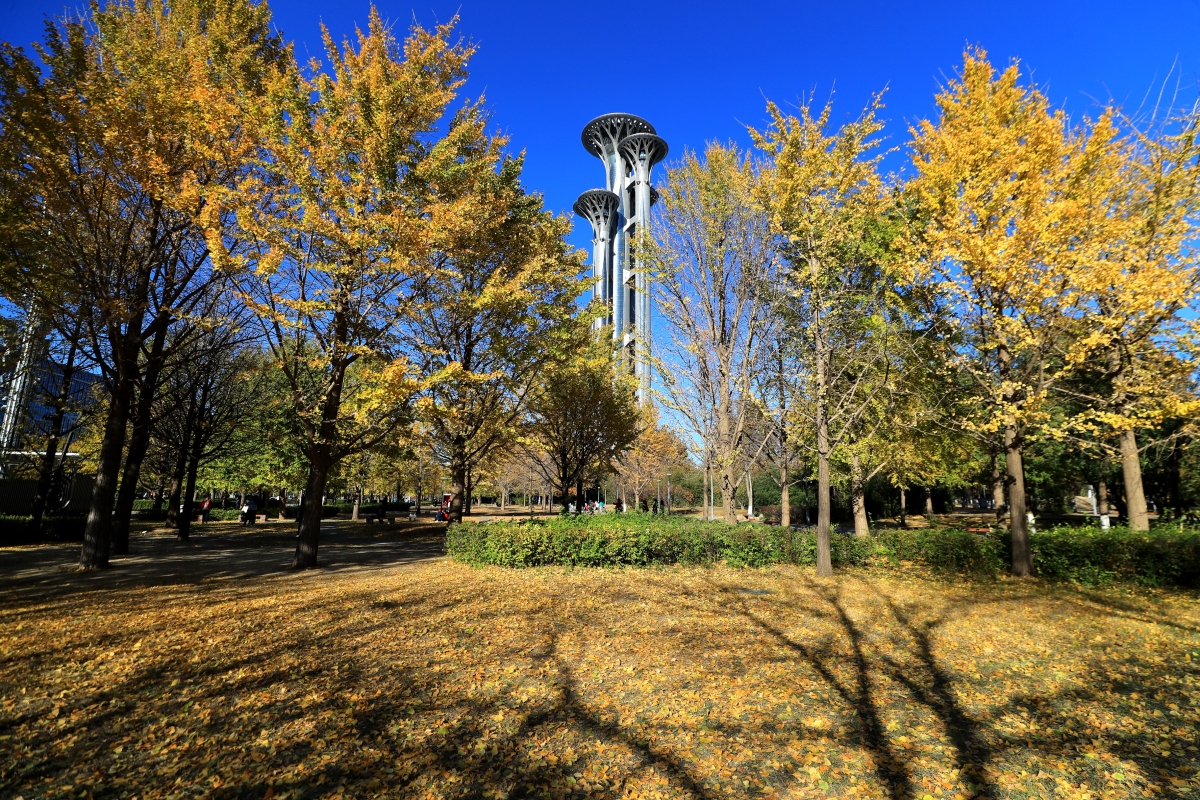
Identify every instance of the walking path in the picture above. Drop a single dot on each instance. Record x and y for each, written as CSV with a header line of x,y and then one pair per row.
x,y
158,559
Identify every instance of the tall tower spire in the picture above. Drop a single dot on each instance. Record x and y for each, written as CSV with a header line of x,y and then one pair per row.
x,y
629,148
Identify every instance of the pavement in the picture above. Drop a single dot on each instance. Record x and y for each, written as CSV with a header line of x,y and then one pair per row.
x,y
215,553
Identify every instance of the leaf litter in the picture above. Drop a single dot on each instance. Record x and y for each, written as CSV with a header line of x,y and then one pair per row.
x,y
443,681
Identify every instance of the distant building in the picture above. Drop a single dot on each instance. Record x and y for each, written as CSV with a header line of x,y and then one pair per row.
x,y
27,397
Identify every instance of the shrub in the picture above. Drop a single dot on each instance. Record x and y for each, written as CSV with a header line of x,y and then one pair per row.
x,y
945,549
1087,556
1090,556
1084,555
18,530
640,540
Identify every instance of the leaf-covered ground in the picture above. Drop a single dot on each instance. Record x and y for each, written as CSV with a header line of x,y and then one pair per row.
x,y
430,679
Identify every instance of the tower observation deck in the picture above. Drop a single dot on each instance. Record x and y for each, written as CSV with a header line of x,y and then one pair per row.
x,y
620,216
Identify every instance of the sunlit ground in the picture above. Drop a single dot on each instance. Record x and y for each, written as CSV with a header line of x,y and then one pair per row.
x,y
431,679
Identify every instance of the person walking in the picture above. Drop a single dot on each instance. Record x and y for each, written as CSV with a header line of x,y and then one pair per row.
x,y
205,507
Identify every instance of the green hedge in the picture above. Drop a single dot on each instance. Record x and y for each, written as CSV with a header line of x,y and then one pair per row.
x,y
1089,556
641,540
18,530
1164,556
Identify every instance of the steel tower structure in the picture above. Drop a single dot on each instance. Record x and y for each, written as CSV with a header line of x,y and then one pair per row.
x,y
620,217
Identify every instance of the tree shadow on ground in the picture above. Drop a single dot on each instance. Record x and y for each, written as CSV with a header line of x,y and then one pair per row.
x,y
397,716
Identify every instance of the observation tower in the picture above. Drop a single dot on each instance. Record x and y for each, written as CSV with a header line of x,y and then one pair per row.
x,y
620,217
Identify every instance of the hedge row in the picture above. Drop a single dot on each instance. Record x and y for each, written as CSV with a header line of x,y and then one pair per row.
x,y
19,530
640,540
1088,556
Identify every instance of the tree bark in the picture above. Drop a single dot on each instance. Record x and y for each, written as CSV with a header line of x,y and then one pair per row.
x,y
824,559
1102,496
189,493
97,535
139,443
357,500
282,504
310,522
749,495
903,508
785,496
470,487
997,488
1022,555
458,478
156,509
728,495
1135,496
420,485
928,502
173,499
579,495
858,498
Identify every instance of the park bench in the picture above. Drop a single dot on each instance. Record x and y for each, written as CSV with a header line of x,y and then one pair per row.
x,y
376,518
979,530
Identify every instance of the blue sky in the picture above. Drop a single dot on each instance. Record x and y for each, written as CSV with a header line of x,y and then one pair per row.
x,y
702,71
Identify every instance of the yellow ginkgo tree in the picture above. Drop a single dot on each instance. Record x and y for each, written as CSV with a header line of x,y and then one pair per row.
x,y
1005,190
338,211
1137,346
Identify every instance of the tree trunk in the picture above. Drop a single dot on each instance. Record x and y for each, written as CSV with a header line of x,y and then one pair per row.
x,y
1176,479
858,500
785,498
97,535
173,499
458,478
997,488
824,559
139,443
156,509
704,499
749,495
282,504
1135,496
728,495
357,501
579,495
310,521
470,487
1102,496
1022,555
189,493
903,508
928,502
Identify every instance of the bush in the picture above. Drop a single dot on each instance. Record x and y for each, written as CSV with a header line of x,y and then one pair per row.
x,y
640,540
18,530
1090,556
946,549
1087,556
